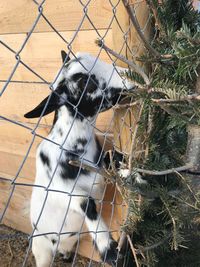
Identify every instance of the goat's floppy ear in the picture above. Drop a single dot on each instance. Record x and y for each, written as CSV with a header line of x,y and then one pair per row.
x,y
64,56
52,105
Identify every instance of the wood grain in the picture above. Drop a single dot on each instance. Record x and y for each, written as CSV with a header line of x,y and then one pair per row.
x,y
127,43
126,119
18,99
17,214
42,53
19,16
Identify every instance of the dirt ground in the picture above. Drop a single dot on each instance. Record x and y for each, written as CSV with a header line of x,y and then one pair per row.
x,y
13,246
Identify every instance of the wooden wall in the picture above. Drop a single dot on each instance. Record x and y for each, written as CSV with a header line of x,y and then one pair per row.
x,y
42,54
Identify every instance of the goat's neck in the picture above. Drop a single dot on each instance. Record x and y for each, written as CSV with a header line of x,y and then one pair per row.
x,y
70,129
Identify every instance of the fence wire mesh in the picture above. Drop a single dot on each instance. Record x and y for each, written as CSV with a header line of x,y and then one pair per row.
x,y
29,63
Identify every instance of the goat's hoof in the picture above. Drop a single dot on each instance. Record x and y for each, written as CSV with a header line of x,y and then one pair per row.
x,y
111,255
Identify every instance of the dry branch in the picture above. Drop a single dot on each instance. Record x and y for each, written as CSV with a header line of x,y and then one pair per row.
x,y
158,173
134,138
88,167
138,29
135,67
133,251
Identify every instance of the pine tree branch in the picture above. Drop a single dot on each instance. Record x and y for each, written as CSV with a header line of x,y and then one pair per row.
x,y
138,29
186,203
189,188
170,110
128,105
135,67
147,248
175,245
134,135
122,240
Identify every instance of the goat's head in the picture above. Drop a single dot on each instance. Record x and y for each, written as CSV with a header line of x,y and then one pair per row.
x,y
86,85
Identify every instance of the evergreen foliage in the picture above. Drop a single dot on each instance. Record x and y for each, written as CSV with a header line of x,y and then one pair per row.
x,y
165,224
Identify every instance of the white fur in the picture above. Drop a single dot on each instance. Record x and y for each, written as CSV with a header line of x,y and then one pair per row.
x,y
60,212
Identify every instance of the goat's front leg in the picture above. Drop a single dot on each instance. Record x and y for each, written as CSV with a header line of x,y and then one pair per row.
x,y
42,250
99,231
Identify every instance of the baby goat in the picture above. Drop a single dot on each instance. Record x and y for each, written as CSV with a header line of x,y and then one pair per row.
x,y
85,87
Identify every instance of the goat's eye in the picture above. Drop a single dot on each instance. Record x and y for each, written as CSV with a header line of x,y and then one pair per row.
x,y
87,83
92,84
84,81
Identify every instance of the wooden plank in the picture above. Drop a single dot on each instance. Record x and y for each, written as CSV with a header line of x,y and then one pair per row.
x,y
15,142
126,119
17,214
16,139
19,16
125,38
42,52
10,164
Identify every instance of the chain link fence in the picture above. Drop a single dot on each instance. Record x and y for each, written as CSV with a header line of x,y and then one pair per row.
x,y
119,33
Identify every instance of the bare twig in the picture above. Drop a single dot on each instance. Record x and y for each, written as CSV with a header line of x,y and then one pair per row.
x,y
121,240
149,129
87,167
158,173
155,14
133,251
135,67
127,105
134,138
186,203
11,254
138,29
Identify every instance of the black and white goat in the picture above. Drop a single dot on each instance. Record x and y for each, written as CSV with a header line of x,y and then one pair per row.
x,y
85,87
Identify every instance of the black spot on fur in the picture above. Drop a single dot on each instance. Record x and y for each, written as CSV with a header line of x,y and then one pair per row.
x,y
60,132
69,171
48,174
87,83
82,141
79,147
89,207
53,241
55,117
87,106
72,234
115,158
45,159
99,154
68,258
